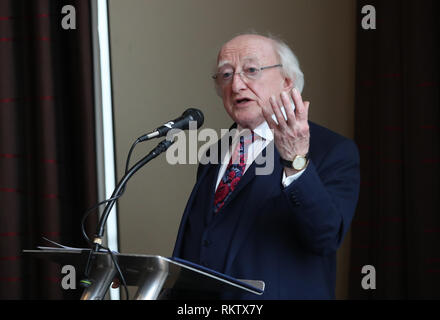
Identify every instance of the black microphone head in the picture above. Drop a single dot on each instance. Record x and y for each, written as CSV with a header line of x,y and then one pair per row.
x,y
195,115
182,123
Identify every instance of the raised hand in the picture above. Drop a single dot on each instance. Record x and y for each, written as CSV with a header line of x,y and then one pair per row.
x,y
291,136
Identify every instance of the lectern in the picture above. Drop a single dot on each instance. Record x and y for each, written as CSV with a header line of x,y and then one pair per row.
x,y
150,273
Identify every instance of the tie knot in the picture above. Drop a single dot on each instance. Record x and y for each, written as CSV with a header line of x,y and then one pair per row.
x,y
247,138
239,155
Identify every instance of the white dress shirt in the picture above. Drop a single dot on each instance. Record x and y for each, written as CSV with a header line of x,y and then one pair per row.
x,y
262,137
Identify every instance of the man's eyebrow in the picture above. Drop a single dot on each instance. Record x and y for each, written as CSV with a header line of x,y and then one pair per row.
x,y
223,63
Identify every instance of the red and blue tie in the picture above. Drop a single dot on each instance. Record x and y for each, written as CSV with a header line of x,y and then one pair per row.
x,y
233,173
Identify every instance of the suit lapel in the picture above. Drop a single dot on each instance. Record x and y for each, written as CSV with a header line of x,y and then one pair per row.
x,y
202,175
267,184
249,175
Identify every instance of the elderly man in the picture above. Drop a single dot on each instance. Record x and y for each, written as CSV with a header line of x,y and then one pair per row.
x,y
284,227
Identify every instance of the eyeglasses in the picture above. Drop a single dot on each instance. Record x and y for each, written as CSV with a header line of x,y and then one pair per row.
x,y
250,73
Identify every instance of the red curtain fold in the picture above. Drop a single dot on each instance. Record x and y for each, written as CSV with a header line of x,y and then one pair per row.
x,y
47,140
396,228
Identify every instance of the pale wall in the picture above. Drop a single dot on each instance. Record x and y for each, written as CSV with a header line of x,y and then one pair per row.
x,y
162,57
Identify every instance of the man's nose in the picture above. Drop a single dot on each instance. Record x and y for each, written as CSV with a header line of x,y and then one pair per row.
x,y
238,83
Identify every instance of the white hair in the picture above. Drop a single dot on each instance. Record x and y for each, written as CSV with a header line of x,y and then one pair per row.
x,y
289,61
290,64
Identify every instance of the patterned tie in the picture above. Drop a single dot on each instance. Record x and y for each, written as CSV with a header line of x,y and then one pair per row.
x,y
233,173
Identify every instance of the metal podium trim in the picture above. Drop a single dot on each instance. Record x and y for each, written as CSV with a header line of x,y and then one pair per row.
x,y
150,273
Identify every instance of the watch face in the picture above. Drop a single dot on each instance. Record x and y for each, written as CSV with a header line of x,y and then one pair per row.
x,y
299,163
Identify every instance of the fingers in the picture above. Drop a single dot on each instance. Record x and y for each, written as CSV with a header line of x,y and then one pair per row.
x,y
291,135
307,104
291,118
267,114
294,117
277,111
301,110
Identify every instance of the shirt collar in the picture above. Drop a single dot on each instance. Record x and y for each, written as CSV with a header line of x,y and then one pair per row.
x,y
263,131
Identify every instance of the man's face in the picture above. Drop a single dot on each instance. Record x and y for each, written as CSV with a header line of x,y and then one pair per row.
x,y
241,96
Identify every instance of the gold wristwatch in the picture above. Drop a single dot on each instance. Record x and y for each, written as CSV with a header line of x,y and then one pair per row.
x,y
298,163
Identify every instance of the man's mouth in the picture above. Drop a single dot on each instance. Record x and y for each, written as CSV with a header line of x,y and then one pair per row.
x,y
242,101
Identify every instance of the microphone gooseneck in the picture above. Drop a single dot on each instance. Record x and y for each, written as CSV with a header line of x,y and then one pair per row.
x,y
183,123
161,147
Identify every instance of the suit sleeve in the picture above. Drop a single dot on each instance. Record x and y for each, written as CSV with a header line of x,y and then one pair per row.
x,y
321,203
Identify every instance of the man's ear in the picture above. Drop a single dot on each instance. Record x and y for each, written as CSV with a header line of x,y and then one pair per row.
x,y
288,84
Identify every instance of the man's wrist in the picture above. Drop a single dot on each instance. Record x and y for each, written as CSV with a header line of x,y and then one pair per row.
x,y
290,171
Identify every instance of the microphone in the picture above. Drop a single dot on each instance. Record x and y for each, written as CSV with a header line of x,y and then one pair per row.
x,y
181,122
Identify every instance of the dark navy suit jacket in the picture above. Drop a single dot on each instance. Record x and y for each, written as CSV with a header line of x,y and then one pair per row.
x,y
287,237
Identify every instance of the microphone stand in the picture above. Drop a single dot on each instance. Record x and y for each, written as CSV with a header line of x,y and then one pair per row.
x,y
97,241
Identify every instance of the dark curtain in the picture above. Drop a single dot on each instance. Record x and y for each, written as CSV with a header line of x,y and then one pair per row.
x,y
47,141
397,224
